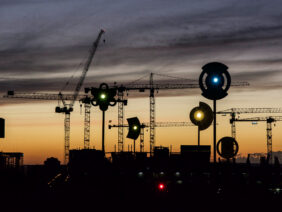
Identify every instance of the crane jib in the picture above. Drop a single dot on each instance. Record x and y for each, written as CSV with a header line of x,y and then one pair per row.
x,y
86,67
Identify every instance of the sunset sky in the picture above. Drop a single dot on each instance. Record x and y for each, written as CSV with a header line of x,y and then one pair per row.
x,y
42,44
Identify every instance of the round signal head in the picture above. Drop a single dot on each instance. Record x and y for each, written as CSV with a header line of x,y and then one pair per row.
x,y
202,116
227,147
214,80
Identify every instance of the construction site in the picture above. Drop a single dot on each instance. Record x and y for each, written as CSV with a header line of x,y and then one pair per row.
x,y
130,177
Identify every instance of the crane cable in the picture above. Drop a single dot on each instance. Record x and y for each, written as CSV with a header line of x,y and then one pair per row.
x,y
180,78
133,82
78,67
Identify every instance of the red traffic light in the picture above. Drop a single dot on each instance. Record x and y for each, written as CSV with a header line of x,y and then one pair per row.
x,y
161,186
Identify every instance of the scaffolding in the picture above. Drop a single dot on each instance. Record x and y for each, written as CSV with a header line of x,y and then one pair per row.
x,y
11,160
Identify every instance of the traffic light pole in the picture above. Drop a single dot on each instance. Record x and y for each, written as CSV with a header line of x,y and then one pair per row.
x,y
198,136
103,131
214,131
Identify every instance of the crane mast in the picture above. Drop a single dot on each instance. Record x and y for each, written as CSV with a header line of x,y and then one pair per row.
x,y
269,120
152,115
236,111
121,90
87,107
69,108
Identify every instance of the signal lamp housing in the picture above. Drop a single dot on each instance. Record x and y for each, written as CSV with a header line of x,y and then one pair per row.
x,y
104,96
202,116
214,81
134,128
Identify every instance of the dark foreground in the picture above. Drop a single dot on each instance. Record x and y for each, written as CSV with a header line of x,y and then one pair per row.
x,y
148,186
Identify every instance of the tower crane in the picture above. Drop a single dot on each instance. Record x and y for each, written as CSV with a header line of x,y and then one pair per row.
x,y
156,124
153,87
141,88
269,120
67,107
236,111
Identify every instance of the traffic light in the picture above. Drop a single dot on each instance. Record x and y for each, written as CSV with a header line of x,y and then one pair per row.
x,y
199,115
161,186
202,116
134,128
214,81
229,147
104,96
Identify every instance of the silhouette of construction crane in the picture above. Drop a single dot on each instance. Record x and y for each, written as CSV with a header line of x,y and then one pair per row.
x,y
121,102
156,124
67,107
269,120
237,111
153,87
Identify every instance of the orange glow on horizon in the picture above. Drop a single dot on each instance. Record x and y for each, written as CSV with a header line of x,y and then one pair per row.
x,y
37,131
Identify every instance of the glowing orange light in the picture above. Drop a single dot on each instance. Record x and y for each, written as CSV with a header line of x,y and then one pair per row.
x,y
199,115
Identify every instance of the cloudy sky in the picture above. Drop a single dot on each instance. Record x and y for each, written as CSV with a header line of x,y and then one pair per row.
x,y
43,42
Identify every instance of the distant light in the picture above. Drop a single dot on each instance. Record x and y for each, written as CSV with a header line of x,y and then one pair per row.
x,y
215,80
135,127
161,186
140,174
179,182
177,174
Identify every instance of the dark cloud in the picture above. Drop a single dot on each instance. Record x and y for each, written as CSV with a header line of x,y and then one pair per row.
x,y
42,43
256,75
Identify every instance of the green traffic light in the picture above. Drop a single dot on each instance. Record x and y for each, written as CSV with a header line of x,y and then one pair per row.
x,y
135,128
103,96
